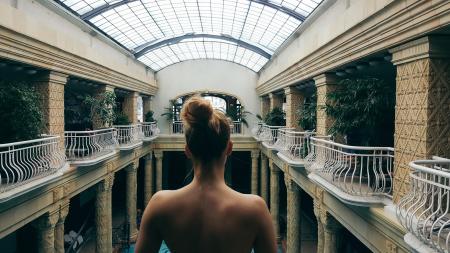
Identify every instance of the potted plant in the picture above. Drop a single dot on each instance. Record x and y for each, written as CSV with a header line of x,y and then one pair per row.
x,y
102,108
149,117
307,113
276,117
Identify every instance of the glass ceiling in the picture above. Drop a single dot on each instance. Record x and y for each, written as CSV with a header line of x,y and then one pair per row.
x,y
164,32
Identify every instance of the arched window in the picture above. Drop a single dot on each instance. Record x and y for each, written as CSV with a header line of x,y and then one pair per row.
x,y
217,103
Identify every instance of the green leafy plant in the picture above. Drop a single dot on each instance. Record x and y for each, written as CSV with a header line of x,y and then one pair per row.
x,y
363,110
21,114
232,113
170,111
149,117
121,119
307,113
244,115
276,117
102,108
259,117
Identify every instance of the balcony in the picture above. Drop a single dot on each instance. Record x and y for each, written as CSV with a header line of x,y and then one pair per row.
x,y
85,148
236,128
177,127
150,131
129,136
425,210
27,165
293,146
256,131
360,176
268,135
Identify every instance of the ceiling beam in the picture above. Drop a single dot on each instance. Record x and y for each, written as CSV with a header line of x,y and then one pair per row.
x,y
141,50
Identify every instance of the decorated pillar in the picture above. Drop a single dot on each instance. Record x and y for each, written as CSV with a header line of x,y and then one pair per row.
x,y
130,106
422,105
254,170
274,195
325,84
294,99
264,178
265,105
276,100
293,215
328,228
103,215
159,169
131,197
149,177
59,228
45,231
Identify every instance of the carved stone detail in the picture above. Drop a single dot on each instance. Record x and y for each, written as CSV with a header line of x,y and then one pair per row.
x,y
159,169
45,231
264,178
274,193
254,172
293,215
103,214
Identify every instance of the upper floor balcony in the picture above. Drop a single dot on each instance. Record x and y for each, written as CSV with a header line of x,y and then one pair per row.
x,y
268,135
150,131
425,210
85,148
29,164
129,136
293,146
356,175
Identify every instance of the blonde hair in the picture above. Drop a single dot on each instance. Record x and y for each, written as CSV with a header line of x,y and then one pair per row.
x,y
207,131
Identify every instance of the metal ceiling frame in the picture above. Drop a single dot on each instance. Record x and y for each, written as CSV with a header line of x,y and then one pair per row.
x,y
101,9
142,50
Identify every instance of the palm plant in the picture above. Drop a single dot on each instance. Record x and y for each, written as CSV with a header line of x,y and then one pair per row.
x,y
276,117
170,111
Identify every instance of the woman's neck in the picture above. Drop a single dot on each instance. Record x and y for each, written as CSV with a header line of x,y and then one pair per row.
x,y
209,175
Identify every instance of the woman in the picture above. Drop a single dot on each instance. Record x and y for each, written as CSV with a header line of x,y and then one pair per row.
x,y
206,216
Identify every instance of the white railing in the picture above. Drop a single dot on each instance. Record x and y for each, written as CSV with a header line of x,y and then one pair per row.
x,y
425,210
26,161
269,134
177,127
150,130
129,136
257,130
293,144
236,127
87,146
359,175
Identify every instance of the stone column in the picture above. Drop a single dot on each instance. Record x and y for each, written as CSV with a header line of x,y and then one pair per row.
x,y
130,106
422,105
274,194
294,99
293,215
331,234
59,228
325,84
264,178
51,88
254,176
96,122
147,104
103,215
265,106
131,196
276,100
149,177
45,231
159,169
320,233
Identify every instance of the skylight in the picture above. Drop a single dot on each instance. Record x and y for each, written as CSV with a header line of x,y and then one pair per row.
x,y
134,23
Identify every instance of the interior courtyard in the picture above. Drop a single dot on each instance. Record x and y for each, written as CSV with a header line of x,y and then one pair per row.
x,y
339,114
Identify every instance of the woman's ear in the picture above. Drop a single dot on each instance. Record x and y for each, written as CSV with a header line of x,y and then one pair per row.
x,y
229,148
187,152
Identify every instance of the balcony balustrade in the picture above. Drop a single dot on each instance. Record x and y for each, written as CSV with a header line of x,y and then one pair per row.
x,y
293,146
177,127
269,135
257,130
356,175
236,127
85,148
425,210
129,136
28,164
150,131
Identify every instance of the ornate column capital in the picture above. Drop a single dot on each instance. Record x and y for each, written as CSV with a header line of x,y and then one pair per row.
x,y
132,167
149,156
158,154
48,220
290,183
107,183
273,167
255,153
63,210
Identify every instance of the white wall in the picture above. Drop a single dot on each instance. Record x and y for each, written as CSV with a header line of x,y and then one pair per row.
x,y
328,25
205,75
32,19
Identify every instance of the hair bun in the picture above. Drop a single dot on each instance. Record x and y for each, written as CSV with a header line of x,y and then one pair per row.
x,y
197,111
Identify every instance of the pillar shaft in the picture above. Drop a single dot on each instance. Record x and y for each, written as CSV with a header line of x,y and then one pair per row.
x,y
294,101
422,105
325,84
51,88
293,215
275,101
254,171
274,194
130,106
328,229
264,178
59,228
131,196
45,231
149,175
265,106
159,169
103,215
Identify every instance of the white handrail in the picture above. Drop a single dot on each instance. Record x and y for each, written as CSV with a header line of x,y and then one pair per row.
x,y
425,210
150,129
25,161
354,170
88,145
128,135
236,127
177,127
293,144
269,134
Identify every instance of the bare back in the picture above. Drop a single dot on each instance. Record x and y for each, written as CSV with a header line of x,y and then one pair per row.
x,y
200,218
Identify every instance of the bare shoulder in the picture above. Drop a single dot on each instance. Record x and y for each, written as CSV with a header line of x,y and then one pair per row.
x,y
252,205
